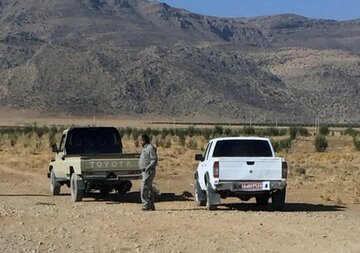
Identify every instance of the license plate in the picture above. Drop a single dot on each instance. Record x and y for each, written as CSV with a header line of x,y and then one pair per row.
x,y
251,186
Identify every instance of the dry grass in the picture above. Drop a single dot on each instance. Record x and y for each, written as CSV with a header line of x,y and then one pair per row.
x,y
332,176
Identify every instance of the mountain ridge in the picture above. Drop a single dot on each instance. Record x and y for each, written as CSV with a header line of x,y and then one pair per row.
x,y
143,57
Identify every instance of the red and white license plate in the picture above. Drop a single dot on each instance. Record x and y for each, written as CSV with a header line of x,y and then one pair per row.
x,y
253,186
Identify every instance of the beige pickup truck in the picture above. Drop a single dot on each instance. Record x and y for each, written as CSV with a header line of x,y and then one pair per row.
x,y
91,158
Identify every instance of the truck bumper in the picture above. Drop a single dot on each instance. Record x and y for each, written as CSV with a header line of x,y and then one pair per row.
x,y
269,186
107,180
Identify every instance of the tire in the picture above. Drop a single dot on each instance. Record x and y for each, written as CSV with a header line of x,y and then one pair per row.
x,y
104,191
209,197
262,201
124,187
76,188
278,200
54,185
199,196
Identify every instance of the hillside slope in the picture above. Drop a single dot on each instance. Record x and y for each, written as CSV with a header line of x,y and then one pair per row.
x,y
140,57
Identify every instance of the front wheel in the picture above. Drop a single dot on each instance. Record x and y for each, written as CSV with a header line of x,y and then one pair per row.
x,y
76,188
200,198
278,200
54,184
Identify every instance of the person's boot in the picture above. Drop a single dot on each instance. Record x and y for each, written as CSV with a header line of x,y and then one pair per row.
x,y
145,208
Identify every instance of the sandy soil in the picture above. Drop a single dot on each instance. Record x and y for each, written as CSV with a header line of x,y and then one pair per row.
x,y
322,214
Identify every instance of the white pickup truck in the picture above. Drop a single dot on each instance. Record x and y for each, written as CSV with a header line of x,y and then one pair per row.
x,y
91,158
243,167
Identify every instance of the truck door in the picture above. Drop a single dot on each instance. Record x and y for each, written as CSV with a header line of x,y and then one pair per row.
x,y
59,165
202,168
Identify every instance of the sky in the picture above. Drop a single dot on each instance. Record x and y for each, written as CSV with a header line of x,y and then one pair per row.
x,y
327,9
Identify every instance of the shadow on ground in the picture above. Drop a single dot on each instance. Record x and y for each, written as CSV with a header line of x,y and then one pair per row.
x,y
134,197
30,195
289,207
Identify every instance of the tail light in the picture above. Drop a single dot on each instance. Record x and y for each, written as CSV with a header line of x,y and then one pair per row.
x,y
216,170
284,170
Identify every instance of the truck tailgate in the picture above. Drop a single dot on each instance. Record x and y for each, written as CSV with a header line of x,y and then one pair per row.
x,y
113,163
250,169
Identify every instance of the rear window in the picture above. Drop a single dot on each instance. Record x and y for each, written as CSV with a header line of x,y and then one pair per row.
x,y
93,141
242,148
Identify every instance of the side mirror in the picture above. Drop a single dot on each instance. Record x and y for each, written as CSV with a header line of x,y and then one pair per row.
x,y
55,149
199,157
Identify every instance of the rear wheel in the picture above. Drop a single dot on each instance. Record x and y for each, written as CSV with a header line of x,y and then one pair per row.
x,y
278,200
209,197
76,188
262,200
104,191
124,187
54,184
200,198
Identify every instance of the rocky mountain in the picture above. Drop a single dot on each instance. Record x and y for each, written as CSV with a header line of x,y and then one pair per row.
x,y
141,57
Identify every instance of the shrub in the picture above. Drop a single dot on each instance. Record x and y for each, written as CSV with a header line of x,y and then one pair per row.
x,y
192,144
271,132
303,131
324,130
167,144
40,131
293,132
191,131
249,130
136,133
206,132
182,139
298,171
282,132
172,132
282,145
357,144
164,132
321,143
13,140
218,131
228,131
162,142
351,132
127,131
29,129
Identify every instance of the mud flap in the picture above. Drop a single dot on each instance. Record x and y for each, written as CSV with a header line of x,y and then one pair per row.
x,y
80,182
213,198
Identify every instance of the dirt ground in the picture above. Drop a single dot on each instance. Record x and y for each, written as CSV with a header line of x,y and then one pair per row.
x,y
322,214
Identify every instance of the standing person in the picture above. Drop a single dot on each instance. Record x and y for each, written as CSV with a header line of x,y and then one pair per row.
x,y
147,165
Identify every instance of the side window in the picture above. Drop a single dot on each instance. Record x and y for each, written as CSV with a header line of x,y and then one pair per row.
x,y
62,143
208,151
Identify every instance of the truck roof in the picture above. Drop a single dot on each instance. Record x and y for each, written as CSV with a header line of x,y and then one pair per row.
x,y
241,138
85,127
